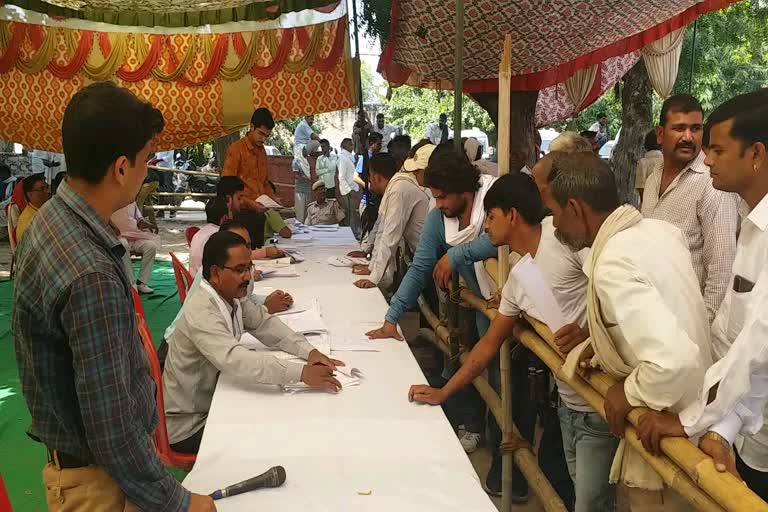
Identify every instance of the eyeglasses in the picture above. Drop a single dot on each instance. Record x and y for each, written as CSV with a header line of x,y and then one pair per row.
x,y
241,269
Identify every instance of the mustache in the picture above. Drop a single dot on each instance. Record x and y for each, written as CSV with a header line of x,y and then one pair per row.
x,y
685,145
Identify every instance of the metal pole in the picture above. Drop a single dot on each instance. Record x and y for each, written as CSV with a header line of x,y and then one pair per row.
x,y
693,56
357,55
458,75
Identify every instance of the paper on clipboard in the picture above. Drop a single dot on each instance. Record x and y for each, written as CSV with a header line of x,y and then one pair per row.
x,y
268,202
538,291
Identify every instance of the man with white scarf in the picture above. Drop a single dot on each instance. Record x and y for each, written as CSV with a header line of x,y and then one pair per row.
x,y
303,177
736,154
459,217
402,212
207,343
647,320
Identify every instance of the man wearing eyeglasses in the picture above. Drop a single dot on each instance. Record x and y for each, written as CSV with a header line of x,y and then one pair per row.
x,y
37,193
207,342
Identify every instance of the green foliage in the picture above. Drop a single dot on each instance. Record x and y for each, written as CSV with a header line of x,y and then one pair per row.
x,y
413,109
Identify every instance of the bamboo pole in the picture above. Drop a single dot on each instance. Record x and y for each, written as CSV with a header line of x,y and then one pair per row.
x,y
181,171
522,454
505,77
458,76
185,194
684,467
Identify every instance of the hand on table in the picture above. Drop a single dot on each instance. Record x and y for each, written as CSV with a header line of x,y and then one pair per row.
x,y
653,426
361,270
721,453
442,273
274,252
388,330
357,254
317,357
568,336
278,301
320,376
200,503
365,283
426,395
616,409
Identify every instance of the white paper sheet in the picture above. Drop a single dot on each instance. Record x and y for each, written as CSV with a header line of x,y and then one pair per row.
x,y
302,237
347,377
268,202
345,261
530,277
325,227
321,342
310,321
354,344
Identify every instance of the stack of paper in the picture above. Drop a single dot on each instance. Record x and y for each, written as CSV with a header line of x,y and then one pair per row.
x,y
294,253
302,237
308,321
268,202
330,228
347,377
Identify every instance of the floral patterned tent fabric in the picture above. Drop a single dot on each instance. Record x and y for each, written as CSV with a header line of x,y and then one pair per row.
x,y
206,82
550,42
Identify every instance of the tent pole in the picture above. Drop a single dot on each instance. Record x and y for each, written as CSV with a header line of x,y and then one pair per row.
x,y
693,56
458,75
357,55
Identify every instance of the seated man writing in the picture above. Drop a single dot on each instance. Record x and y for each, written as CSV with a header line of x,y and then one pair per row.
x,y
322,210
207,342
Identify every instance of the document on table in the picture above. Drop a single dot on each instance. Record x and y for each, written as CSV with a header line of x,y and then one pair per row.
x,y
325,227
347,377
309,321
321,342
352,343
268,202
345,261
302,237
531,278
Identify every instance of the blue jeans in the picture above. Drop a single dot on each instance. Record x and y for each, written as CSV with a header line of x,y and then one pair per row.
x,y
589,449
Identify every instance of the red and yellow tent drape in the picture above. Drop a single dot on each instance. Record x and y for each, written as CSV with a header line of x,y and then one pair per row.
x,y
206,82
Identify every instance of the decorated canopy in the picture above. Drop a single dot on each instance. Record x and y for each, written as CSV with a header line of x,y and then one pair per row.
x,y
569,50
206,79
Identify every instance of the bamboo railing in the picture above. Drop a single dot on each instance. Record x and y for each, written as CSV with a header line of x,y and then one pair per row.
x,y
684,467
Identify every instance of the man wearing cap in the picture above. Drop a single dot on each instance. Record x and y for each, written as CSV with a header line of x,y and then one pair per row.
x,y
323,210
403,208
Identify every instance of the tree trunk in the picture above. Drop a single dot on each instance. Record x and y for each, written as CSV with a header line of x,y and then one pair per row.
x,y
522,123
636,112
221,145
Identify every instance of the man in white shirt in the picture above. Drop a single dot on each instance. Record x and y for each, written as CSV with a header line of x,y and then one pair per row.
x,y
402,212
438,133
349,184
216,211
207,343
649,162
679,191
326,167
387,131
736,152
647,321
600,127
139,237
515,218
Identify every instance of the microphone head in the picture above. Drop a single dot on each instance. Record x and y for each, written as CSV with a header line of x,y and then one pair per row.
x,y
279,474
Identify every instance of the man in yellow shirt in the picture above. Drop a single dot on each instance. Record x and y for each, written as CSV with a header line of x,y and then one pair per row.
x,y
37,193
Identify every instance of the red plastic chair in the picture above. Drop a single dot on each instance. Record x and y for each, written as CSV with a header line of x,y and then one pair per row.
x,y
162,445
5,501
183,277
189,233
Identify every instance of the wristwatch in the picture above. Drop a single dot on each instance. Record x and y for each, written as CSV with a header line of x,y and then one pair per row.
x,y
717,437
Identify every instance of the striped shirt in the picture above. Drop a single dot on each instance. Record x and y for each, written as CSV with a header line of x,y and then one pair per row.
x,y
84,373
708,218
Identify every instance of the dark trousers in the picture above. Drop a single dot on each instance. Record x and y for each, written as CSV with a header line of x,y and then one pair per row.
x,y
330,193
254,223
756,480
190,445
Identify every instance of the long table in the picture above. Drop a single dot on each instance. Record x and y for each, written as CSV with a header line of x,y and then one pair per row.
x,y
364,449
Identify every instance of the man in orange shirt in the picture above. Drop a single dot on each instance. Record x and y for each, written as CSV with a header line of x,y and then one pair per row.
x,y
247,159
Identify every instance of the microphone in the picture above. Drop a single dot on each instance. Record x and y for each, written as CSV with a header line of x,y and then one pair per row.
x,y
273,477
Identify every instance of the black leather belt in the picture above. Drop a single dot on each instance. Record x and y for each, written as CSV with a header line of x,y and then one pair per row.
x,y
65,460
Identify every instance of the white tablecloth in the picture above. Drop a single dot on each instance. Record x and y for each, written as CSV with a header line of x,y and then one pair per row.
x,y
364,449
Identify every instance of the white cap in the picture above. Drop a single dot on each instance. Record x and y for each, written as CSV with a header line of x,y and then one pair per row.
x,y
420,160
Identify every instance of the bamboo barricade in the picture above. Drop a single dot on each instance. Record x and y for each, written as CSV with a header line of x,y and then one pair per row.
x,y
522,453
182,171
683,467
505,78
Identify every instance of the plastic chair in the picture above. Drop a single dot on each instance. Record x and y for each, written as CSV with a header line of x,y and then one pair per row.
x,y
5,501
11,215
167,456
183,277
189,233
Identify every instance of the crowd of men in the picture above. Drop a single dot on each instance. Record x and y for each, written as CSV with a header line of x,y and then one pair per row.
x,y
666,299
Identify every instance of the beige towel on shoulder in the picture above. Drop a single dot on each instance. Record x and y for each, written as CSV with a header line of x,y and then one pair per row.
x,y
628,466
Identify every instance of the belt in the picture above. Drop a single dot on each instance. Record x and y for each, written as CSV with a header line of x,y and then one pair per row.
x,y
65,460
